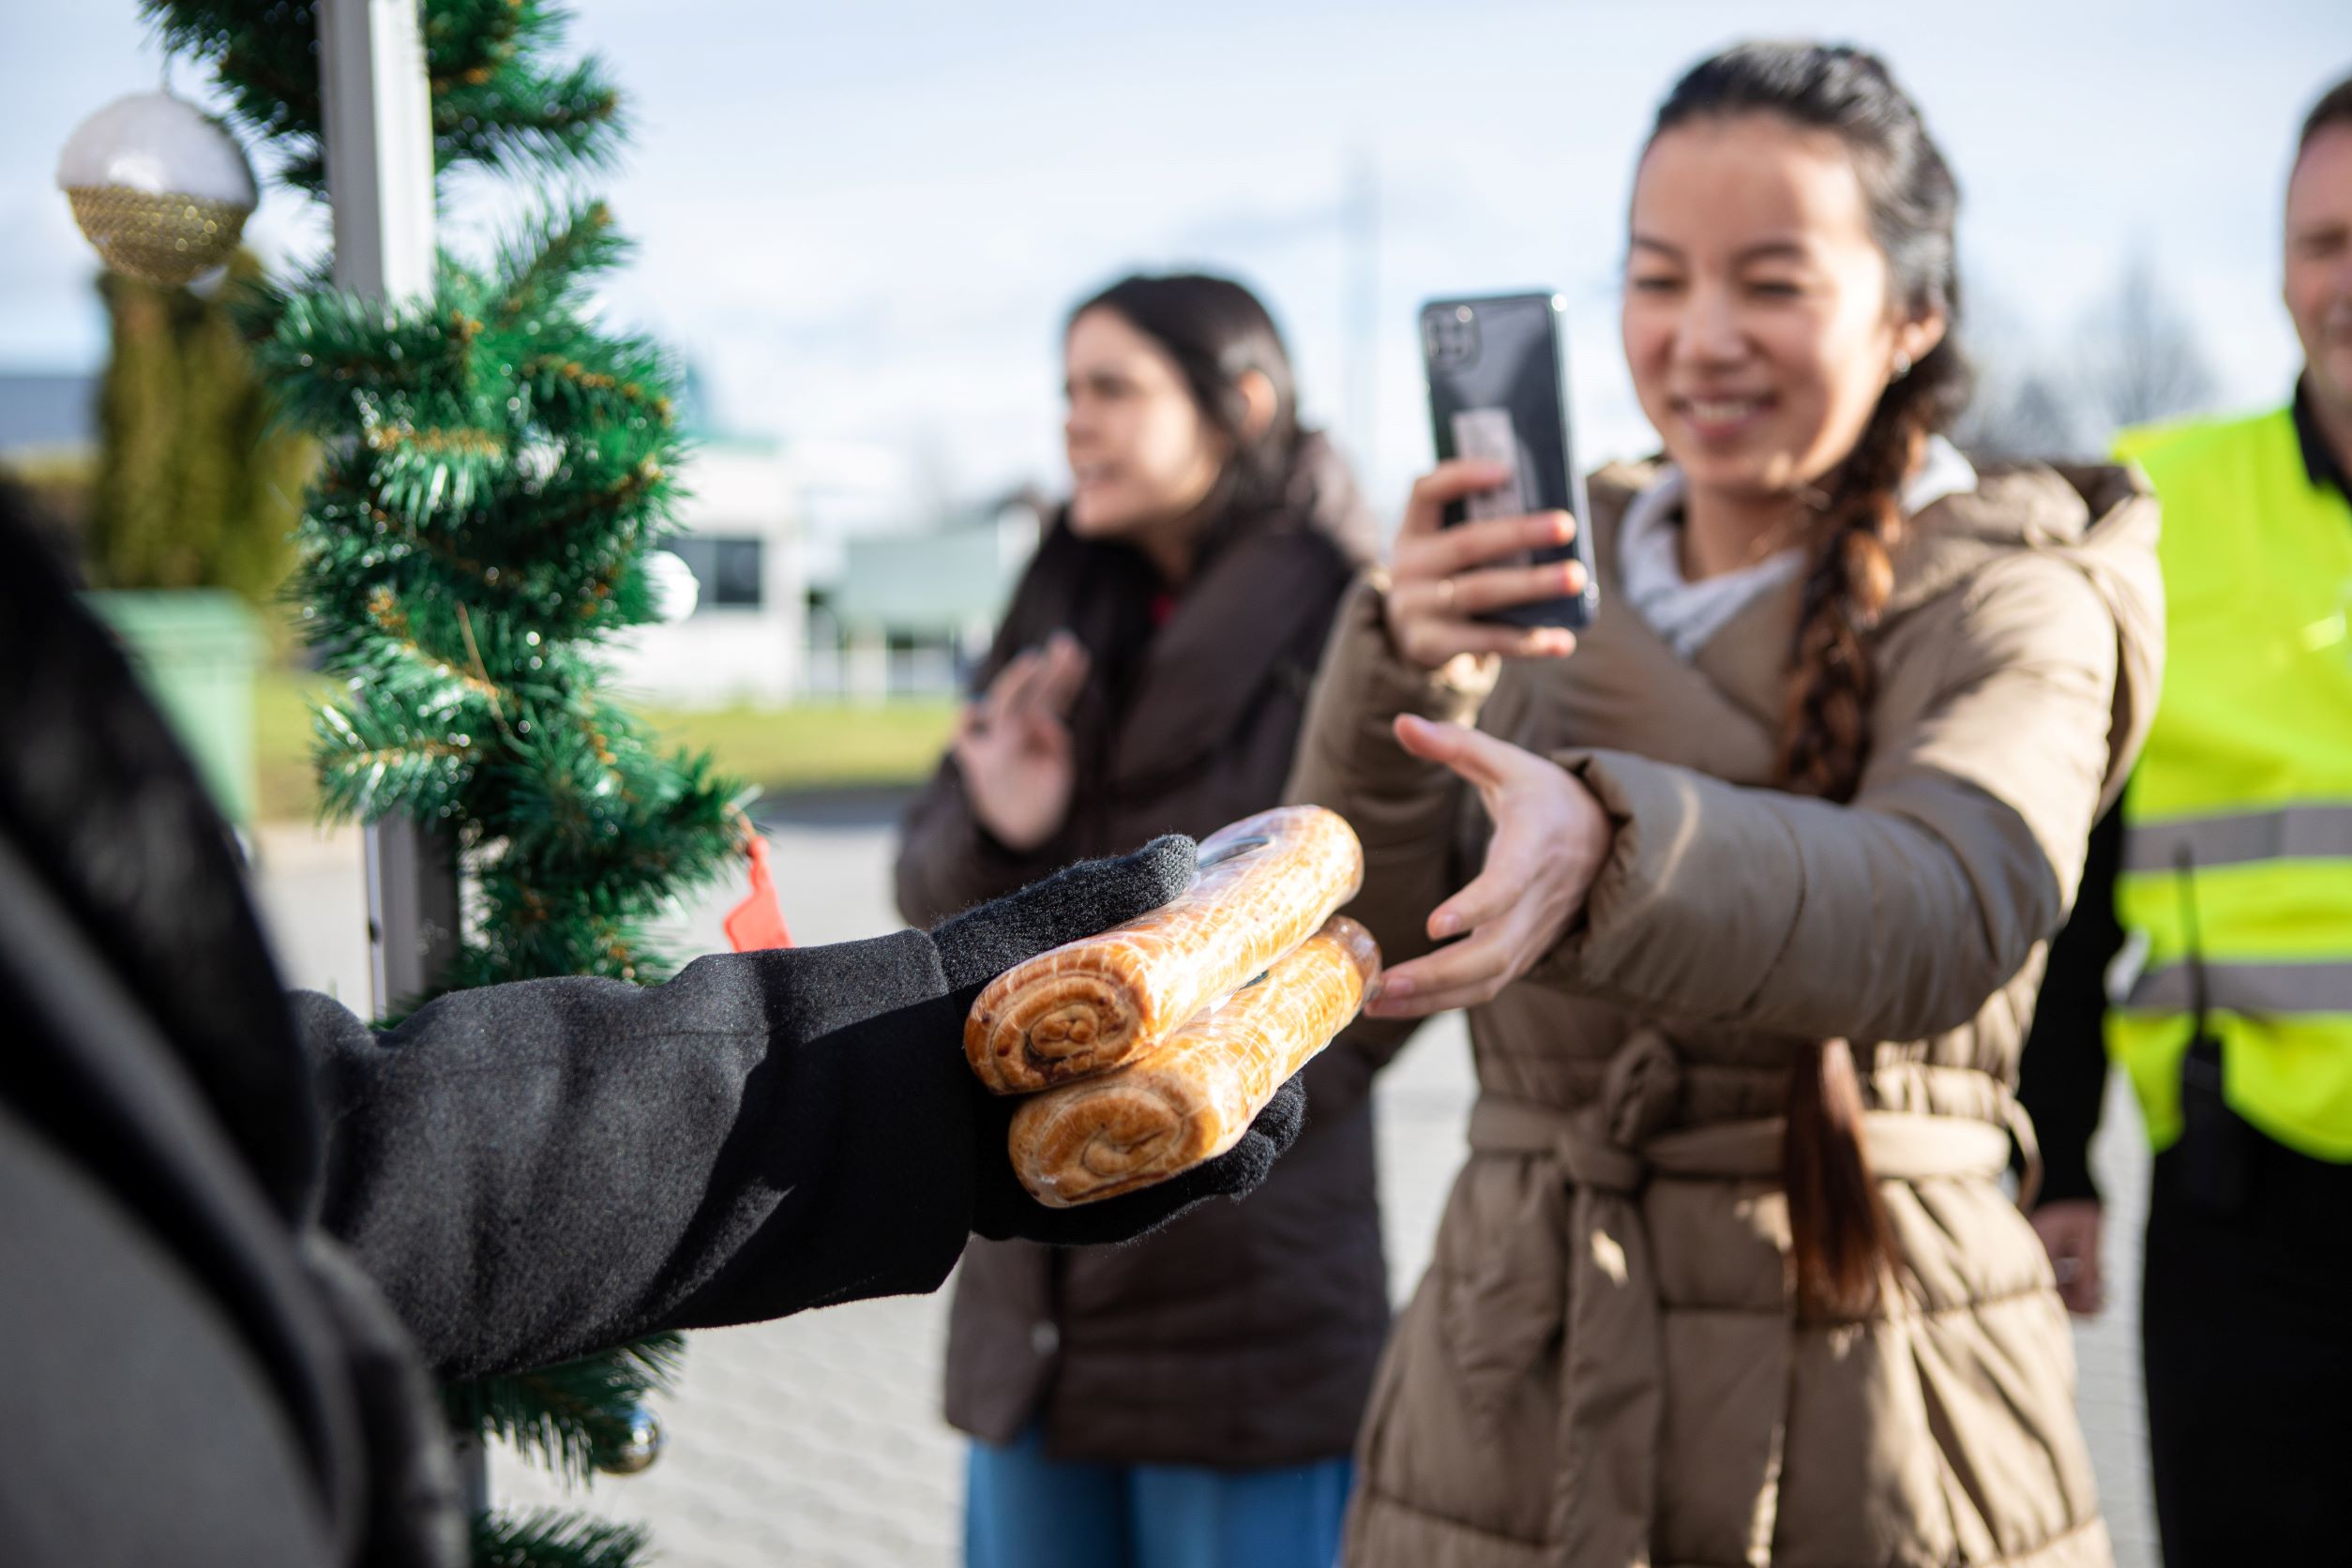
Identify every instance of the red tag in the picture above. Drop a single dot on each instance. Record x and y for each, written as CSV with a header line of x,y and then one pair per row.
x,y
757,922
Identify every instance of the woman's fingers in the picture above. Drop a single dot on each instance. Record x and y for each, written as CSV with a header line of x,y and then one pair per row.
x,y
1449,743
1463,975
1476,592
972,728
1448,550
973,739
1448,482
1502,587
1010,689
1431,642
1064,674
1477,756
1550,836
1441,580
1039,682
1491,894
1441,584
1509,777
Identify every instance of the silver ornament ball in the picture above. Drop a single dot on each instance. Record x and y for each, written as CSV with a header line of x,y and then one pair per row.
x,y
676,591
643,1446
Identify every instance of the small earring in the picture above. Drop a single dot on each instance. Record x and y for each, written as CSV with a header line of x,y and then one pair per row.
x,y
1902,366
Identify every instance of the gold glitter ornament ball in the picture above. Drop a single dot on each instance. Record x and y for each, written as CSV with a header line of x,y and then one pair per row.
x,y
158,185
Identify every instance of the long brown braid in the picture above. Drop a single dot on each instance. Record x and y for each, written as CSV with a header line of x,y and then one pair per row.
x,y
1825,724
1840,1241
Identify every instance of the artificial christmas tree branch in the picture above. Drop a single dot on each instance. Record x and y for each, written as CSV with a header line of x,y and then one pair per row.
x,y
499,102
550,1539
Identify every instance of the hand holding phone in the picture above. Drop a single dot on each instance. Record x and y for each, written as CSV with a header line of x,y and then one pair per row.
x,y
1498,379
1444,583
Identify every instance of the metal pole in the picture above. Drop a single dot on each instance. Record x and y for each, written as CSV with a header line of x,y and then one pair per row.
x,y
379,145
379,185
412,909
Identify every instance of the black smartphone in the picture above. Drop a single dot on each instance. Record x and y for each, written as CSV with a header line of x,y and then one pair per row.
x,y
1497,374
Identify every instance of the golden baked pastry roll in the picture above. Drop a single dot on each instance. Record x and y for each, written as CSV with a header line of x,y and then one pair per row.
x,y
1191,1097
1266,883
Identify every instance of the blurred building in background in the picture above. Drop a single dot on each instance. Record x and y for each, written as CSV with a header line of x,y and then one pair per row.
x,y
743,642
827,571
913,609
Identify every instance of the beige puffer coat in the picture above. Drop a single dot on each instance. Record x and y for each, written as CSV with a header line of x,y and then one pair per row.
x,y
1601,1367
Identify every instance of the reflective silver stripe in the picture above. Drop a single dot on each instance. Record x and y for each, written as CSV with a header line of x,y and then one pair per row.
x,y
2290,833
2315,987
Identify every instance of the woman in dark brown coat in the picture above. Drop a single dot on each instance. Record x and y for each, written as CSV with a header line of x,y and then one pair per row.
x,y
1201,1390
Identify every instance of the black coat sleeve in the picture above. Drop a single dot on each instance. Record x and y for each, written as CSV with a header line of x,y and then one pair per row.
x,y
2062,1077
533,1170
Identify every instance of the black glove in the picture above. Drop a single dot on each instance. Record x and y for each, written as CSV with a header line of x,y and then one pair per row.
x,y
1082,900
976,947
898,1131
1001,1208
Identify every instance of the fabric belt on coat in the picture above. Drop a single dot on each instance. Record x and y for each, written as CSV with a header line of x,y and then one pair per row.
x,y
1580,1236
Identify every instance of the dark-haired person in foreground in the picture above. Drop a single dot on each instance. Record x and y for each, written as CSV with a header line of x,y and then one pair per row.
x,y
2238,1040
1188,1402
1752,891
239,1229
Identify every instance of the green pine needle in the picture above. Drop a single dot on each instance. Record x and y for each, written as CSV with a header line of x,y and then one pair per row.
x,y
368,769
500,102
548,1539
543,266
569,1416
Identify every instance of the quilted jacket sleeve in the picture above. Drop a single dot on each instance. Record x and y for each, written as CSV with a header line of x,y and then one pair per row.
x,y
1894,916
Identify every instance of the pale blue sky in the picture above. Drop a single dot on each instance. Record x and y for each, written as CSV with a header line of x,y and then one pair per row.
x,y
864,221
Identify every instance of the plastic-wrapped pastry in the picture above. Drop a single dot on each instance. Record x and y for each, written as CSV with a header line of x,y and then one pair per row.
x,y
1190,1098
1264,884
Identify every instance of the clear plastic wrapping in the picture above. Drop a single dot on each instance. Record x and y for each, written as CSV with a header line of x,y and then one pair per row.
x,y
1190,1097
1266,884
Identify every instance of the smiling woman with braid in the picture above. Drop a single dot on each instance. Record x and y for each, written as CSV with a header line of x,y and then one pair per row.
x,y
1752,886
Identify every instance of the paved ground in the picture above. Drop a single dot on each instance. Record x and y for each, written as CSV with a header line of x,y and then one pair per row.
x,y
817,1440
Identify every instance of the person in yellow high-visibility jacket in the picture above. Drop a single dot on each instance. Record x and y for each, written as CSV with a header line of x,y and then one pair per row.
x,y
2230,865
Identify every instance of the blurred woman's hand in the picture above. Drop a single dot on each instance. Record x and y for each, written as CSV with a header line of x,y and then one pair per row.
x,y
1013,745
1441,579
2069,1232
1550,838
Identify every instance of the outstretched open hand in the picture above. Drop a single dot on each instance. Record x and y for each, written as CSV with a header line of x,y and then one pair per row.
x,y
1550,841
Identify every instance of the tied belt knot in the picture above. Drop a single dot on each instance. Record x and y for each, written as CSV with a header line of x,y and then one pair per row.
x,y
1576,1268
